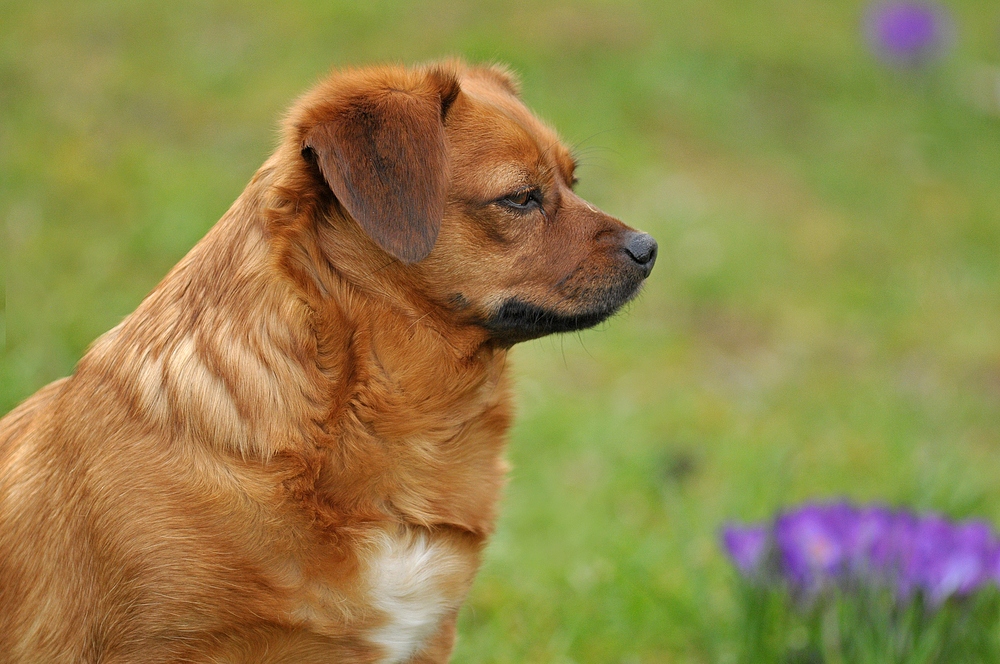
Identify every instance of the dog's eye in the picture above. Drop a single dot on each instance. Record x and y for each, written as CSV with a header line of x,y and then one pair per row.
x,y
523,200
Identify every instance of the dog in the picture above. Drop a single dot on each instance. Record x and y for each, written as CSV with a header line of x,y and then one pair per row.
x,y
292,450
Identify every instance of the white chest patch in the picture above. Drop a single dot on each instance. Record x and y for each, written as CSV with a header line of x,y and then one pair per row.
x,y
405,576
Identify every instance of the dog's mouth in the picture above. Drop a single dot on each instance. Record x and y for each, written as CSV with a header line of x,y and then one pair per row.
x,y
516,320
591,293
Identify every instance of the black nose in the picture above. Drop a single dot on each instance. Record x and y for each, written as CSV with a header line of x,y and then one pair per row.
x,y
642,248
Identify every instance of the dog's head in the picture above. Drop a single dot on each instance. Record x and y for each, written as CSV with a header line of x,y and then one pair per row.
x,y
444,175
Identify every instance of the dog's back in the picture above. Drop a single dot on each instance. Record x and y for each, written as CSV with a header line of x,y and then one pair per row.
x,y
31,522
119,538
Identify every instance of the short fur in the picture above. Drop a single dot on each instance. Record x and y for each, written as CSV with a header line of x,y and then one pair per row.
x,y
292,450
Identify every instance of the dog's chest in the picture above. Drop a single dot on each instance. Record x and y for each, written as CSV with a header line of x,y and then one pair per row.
x,y
415,581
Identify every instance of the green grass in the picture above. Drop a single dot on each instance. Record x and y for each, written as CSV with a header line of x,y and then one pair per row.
x,y
866,625
824,318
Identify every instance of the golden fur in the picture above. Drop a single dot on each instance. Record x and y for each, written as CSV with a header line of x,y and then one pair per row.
x,y
294,445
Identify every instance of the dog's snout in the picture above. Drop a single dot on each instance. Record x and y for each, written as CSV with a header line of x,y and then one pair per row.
x,y
642,248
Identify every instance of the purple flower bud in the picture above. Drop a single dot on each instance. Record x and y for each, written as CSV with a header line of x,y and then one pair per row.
x,y
954,559
892,556
747,547
811,543
930,540
872,549
968,565
907,33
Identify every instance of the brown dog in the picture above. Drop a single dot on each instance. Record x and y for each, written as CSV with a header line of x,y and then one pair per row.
x,y
292,450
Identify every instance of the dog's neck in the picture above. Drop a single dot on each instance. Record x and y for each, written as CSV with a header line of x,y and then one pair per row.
x,y
425,391
261,345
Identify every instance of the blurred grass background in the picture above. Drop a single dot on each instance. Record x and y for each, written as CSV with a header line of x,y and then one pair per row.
x,y
824,319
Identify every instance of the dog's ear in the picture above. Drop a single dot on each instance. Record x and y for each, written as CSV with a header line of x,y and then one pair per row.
x,y
384,155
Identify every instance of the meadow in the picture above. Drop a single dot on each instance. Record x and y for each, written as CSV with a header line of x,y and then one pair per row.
x,y
823,320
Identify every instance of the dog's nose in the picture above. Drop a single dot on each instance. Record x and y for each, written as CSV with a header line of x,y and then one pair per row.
x,y
642,248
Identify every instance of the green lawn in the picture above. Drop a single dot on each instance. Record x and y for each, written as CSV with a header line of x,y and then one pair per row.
x,y
823,320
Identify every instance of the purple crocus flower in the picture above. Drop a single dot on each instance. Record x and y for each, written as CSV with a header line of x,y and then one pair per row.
x,y
747,547
817,545
891,554
951,559
811,542
929,542
967,566
872,550
907,33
